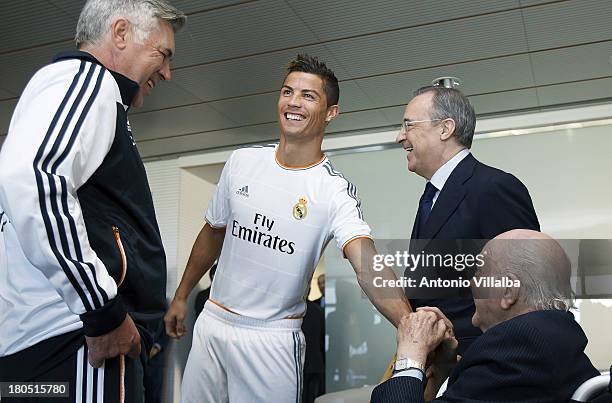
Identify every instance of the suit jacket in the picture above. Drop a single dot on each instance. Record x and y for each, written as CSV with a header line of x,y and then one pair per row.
x,y
477,202
535,357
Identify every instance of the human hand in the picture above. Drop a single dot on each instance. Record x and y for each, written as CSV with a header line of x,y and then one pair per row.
x,y
418,334
124,340
440,315
174,319
444,357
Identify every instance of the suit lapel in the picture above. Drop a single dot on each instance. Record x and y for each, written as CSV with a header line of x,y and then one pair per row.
x,y
415,245
415,225
449,198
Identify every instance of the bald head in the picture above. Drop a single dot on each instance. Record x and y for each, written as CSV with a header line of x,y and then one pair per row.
x,y
521,248
538,262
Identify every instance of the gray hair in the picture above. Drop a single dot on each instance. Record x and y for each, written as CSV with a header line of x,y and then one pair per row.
x,y
542,267
98,15
451,103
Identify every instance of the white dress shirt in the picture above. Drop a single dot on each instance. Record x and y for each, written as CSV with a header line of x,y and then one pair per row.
x,y
440,177
413,372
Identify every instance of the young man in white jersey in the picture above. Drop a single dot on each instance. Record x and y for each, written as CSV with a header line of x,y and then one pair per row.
x,y
274,210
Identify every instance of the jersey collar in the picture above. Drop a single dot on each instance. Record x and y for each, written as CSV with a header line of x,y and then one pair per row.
x,y
298,167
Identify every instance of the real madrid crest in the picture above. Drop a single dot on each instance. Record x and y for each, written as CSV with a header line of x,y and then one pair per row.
x,y
300,210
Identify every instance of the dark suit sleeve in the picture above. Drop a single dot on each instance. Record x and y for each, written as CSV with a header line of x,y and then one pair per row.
x,y
510,362
402,389
506,205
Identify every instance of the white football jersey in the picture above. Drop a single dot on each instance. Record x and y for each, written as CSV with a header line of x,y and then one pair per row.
x,y
278,220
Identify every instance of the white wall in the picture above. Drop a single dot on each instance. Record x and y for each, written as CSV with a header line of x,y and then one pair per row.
x,y
165,182
567,173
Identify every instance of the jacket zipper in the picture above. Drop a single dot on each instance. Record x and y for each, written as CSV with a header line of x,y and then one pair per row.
x,y
122,252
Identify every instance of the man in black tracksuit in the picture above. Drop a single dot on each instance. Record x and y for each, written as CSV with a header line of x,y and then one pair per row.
x,y
82,266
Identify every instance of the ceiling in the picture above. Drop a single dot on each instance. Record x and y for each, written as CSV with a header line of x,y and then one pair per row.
x,y
512,55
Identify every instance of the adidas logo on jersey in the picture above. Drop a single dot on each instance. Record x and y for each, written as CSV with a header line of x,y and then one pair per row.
x,y
243,191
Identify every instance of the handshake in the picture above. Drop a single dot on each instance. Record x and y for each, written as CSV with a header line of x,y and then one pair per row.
x,y
426,336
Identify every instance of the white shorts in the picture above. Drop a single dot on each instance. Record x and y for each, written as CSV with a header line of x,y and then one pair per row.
x,y
238,359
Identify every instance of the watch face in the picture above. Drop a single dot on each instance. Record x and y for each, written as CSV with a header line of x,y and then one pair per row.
x,y
405,363
401,364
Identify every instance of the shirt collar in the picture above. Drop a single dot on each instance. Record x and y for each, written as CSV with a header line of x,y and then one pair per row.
x,y
127,87
441,176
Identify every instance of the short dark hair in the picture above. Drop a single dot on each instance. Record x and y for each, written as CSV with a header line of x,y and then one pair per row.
x,y
309,64
451,103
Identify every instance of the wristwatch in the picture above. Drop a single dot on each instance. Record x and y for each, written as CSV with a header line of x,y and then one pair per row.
x,y
407,363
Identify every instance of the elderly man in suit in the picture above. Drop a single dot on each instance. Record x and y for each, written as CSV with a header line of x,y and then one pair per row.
x,y
532,350
463,198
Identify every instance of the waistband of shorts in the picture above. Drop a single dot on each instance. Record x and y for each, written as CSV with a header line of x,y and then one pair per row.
x,y
214,309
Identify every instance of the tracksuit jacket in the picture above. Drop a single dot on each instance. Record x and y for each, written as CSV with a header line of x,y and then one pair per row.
x,y
79,241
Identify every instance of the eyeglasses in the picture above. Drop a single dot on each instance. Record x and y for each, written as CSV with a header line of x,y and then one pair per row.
x,y
409,124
